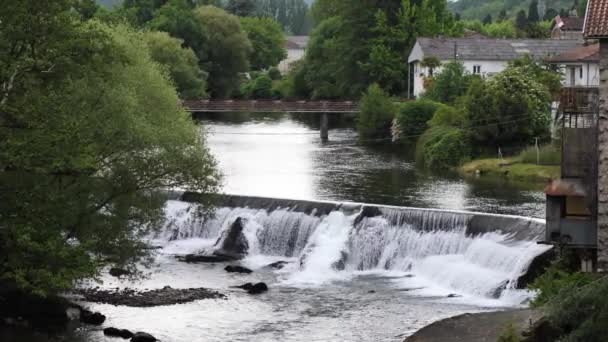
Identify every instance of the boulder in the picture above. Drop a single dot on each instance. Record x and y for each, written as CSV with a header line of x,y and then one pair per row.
x,y
118,272
195,258
278,265
115,332
258,288
233,243
94,318
246,286
143,337
237,269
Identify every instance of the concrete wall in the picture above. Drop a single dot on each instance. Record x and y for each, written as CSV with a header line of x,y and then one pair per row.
x,y
603,160
293,55
590,74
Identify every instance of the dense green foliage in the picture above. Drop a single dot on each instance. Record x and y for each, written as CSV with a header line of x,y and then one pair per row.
x,y
227,49
376,114
365,43
449,84
293,15
412,117
442,147
181,63
91,127
478,9
267,40
259,87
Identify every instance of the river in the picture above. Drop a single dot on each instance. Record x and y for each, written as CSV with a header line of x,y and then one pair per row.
x,y
396,276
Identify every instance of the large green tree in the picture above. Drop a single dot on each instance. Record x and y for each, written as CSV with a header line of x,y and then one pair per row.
x,y
226,51
181,63
267,40
90,129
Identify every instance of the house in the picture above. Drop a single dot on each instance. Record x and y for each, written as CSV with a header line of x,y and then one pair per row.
x,y
596,27
481,56
580,67
296,46
567,27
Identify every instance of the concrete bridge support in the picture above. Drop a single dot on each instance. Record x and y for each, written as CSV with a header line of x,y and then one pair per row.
x,y
324,127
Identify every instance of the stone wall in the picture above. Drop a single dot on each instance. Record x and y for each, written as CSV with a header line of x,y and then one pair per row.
x,y
603,161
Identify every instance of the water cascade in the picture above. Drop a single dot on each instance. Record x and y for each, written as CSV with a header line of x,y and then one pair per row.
x,y
469,254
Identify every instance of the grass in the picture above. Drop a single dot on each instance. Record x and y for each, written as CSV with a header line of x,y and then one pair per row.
x,y
512,168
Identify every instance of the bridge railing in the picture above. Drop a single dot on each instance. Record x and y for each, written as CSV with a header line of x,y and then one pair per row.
x,y
271,106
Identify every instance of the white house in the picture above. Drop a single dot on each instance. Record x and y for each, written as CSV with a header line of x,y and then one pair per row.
x,y
580,67
296,47
481,56
567,27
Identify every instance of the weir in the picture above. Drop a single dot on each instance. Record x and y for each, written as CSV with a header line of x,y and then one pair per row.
x,y
476,254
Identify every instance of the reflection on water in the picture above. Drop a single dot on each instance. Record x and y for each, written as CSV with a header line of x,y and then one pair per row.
x,y
281,155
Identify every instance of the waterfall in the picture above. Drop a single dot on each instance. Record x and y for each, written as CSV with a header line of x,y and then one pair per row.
x,y
435,247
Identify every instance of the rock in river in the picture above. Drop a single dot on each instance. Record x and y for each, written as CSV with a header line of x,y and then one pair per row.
x,y
258,288
194,258
118,272
233,243
237,269
164,296
278,265
143,337
89,317
114,332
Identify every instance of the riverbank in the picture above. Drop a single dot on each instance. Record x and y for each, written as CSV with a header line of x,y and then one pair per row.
x,y
510,168
478,327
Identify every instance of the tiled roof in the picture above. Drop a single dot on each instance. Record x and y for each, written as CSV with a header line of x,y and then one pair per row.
x,y
596,20
569,23
590,53
494,49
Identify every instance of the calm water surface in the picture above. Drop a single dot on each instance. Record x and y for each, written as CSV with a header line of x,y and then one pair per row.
x,y
283,156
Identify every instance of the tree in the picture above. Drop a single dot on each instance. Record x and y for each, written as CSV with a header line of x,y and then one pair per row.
x,y
181,63
581,9
227,49
533,15
521,21
449,84
412,118
550,14
267,41
376,113
241,8
487,20
502,16
293,15
91,130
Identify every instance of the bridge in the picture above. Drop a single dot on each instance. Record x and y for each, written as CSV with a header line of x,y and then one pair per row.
x,y
278,106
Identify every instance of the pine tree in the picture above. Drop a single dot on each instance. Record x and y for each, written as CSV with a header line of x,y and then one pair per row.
x,y
533,12
521,21
502,16
487,20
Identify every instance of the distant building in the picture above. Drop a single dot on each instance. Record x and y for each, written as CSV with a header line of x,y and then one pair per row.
x,y
483,56
296,47
580,67
567,27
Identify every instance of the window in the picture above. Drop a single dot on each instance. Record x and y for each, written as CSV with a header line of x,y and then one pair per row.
x,y
477,69
581,72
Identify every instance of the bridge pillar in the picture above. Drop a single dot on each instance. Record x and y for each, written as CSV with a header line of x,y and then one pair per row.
x,y
324,127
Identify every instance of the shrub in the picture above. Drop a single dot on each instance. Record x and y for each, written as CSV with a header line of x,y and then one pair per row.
x,y
257,88
547,155
442,147
450,83
509,334
376,113
448,116
412,118
274,73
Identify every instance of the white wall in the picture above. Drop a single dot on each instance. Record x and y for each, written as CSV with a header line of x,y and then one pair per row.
x,y
293,55
590,75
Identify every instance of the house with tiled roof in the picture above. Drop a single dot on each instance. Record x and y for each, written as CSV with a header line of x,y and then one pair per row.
x,y
580,67
567,27
481,56
296,47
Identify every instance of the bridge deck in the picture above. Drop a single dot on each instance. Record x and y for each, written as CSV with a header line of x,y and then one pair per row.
x,y
270,106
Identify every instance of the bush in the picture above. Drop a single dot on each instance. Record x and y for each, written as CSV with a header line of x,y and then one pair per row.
x,y
509,334
442,147
376,113
274,74
412,118
448,116
547,155
257,88
450,83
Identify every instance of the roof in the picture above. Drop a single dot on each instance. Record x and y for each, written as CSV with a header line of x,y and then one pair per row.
x,y
296,42
589,54
494,49
596,20
565,187
569,23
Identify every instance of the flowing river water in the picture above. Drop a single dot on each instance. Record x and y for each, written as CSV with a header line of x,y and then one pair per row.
x,y
350,277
